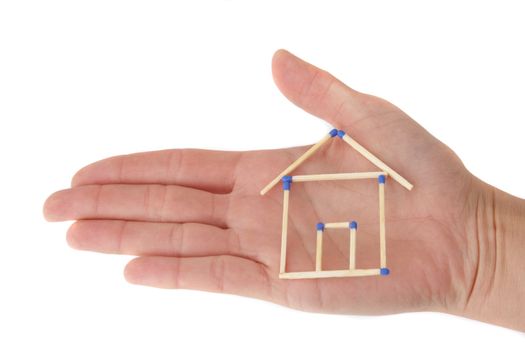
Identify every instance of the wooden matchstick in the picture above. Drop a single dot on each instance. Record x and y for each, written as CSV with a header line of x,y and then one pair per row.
x,y
330,273
284,234
296,163
382,229
319,251
353,230
342,176
377,162
336,225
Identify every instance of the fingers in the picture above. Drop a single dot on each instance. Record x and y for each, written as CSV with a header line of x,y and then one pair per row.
x,y
315,90
213,171
138,202
153,239
221,273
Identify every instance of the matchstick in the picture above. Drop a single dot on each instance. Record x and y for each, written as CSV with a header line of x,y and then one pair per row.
x,y
319,247
342,176
377,162
382,233
336,225
297,162
284,235
353,231
330,273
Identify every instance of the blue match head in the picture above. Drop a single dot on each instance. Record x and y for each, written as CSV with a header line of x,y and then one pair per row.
x,y
340,133
353,225
381,179
287,181
320,226
333,132
384,271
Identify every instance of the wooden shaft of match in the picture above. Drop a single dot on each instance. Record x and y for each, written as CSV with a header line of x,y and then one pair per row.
x,y
377,162
330,273
296,163
319,250
352,248
284,235
336,225
342,176
382,233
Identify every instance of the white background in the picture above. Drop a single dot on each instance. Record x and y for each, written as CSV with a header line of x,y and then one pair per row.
x,y
83,80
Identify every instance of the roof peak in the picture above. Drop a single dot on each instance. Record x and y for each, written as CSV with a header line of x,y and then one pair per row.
x,y
352,143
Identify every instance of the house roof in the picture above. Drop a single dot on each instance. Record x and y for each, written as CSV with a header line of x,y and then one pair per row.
x,y
351,142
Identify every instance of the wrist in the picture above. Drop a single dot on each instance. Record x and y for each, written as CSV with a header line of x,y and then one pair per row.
x,y
494,282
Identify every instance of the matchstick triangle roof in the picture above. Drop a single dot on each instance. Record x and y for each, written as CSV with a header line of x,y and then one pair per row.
x,y
352,143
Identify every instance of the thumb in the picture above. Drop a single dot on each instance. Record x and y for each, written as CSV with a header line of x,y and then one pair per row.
x,y
316,91
321,94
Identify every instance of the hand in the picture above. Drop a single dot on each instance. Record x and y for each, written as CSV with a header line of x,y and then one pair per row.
x,y
196,219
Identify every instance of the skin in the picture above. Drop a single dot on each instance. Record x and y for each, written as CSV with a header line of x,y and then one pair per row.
x,y
196,220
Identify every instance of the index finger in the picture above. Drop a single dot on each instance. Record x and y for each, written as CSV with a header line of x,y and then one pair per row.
x,y
213,171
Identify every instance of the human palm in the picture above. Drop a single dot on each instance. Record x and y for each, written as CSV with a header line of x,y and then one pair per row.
x,y
196,219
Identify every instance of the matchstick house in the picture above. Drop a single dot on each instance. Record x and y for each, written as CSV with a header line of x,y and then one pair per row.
x,y
380,176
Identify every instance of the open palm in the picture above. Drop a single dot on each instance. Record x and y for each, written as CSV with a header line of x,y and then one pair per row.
x,y
196,219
